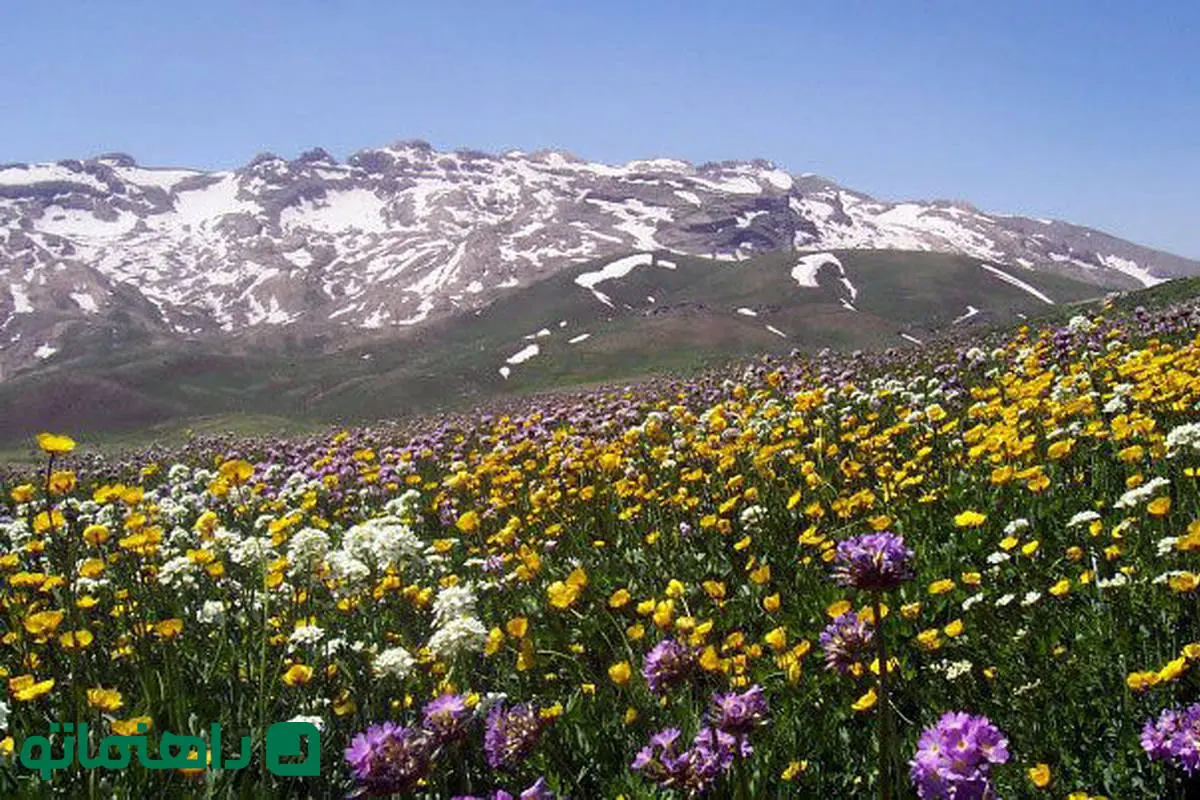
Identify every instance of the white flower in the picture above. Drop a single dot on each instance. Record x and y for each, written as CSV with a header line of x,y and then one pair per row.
x,y
348,569
998,557
1166,545
460,635
211,613
1016,526
1030,598
1083,517
1183,437
956,669
306,548
1116,581
453,602
1079,324
306,635
178,572
251,551
1004,600
395,662
1135,497
4,709
752,516
971,601
318,721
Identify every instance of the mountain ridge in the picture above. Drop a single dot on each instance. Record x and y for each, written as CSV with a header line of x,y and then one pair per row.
x,y
394,237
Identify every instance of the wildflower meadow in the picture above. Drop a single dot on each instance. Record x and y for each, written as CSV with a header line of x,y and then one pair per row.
x,y
966,571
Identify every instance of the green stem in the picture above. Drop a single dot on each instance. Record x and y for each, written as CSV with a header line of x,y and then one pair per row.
x,y
886,736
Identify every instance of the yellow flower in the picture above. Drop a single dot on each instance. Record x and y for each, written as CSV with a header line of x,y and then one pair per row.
x,y
55,444
468,522
619,598
43,623
866,702
619,673
562,594
25,688
910,611
236,472
297,675
1173,670
942,586
130,727
517,626
1183,582
793,770
674,589
969,519
1008,543
168,628
22,494
954,629
62,482
770,603
835,610
972,578
105,699
1159,506
1062,588
73,641
1029,548
1040,775
777,639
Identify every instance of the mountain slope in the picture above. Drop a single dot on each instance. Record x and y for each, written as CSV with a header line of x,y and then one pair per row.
x,y
105,253
620,318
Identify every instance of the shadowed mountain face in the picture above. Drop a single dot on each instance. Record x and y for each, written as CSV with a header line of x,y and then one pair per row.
x,y
104,256
619,318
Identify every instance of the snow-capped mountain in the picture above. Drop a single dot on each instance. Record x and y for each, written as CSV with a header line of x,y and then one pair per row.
x,y
404,234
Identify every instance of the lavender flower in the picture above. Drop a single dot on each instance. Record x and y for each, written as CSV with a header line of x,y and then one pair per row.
x,y
694,770
873,561
511,734
955,757
1174,737
667,664
846,641
446,718
738,714
387,758
539,790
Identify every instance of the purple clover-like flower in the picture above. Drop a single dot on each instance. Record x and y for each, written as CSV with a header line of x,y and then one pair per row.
x,y
873,561
511,734
847,642
695,769
954,758
739,714
446,718
1174,737
668,663
539,790
387,758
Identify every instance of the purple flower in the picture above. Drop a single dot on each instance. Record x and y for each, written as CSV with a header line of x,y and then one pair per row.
x,y
738,714
387,758
667,664
1174,737
873,561
954,758
695,769
511,734
446,718
847,642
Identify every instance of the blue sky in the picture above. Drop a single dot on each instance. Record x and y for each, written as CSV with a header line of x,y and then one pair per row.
x,y
1085,111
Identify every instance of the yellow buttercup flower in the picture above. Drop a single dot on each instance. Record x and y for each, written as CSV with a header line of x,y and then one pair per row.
x,y
105,699
866,702
969,519
620,672
297,675
55,444
1040,775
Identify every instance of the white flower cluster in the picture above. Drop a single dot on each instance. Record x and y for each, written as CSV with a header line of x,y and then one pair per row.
x,y
1083,518
458,630
1183,438
1135,497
